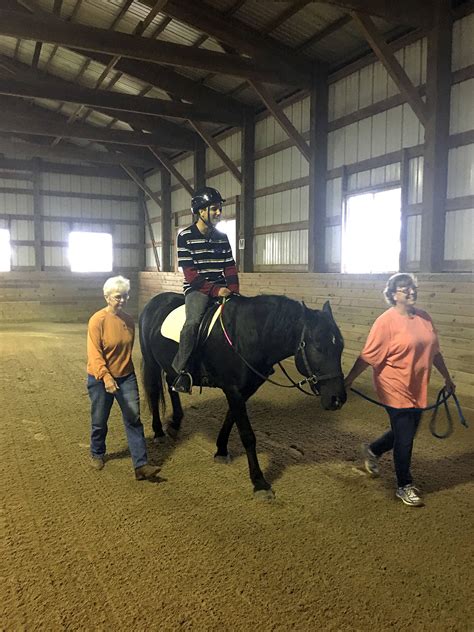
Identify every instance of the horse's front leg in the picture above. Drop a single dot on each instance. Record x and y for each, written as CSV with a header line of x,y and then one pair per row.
x,y
238,410
222,455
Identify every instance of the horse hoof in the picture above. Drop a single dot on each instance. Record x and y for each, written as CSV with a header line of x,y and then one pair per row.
x,y
159,440
225,460
265,495
172,433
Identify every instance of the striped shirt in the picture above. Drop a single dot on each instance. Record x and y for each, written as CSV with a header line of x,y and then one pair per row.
x,y
207,261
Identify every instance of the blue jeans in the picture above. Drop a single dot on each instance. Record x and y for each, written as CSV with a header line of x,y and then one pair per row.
x,y
196,304
404,423
129,401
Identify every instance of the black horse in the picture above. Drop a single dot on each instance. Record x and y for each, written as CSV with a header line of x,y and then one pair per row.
x,y
264,330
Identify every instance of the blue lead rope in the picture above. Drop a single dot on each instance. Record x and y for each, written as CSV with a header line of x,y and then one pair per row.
x,y
442,399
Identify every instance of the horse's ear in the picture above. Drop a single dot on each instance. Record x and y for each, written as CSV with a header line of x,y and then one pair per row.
x,y
327,309
306,308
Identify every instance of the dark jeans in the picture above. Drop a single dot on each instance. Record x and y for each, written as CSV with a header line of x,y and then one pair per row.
x,y
404,423
196,304
129,401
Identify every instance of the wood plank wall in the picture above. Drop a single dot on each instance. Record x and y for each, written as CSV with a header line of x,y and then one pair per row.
x,y
56,296
357,301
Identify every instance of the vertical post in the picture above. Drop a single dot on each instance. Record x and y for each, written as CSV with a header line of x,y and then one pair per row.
x,y
38,213
404,181
199,165
166,220
317,172
141,230
247,196
435,170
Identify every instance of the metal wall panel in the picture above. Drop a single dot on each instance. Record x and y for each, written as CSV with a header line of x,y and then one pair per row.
x,y
282,166
180,200
461,171
153,209
22,229
463,36
56,231
459,235
16,204
87,184
154,182
415,180
126,258
55,257
332,254
23,256
462,107
231,146
185,168
286,248
413,238
268,132
225,183
16,184
150,257
334,197
282,208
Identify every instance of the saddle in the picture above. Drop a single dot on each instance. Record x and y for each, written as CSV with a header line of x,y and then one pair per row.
x,y
172,326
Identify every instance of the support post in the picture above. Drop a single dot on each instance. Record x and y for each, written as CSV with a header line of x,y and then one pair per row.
x,y
247,196
317,173
141,230
38,215
435,169
199,165
404,182
166,221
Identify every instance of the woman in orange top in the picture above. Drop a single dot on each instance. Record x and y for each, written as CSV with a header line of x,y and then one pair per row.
x,y
401,347
110,374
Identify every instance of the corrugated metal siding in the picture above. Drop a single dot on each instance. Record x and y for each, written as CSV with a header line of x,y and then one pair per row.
x,y
282,208
459,236
287,248
399,127
334,197
268,132
461,171
282,166
462,107
332,254
23,256
87,184
231,145
226,184
463,36
16,203
413,238
390,174
415,180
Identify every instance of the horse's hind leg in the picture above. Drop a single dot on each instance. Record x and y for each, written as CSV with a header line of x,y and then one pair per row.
x,y
222,454
175,425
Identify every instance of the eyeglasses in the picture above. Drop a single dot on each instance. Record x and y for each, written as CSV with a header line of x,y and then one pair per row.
x,y
120,297
407,290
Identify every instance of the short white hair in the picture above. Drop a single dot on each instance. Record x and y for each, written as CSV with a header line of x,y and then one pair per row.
x,y
116,284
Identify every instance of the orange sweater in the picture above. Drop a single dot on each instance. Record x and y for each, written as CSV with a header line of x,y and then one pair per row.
x,y
110,340
400,350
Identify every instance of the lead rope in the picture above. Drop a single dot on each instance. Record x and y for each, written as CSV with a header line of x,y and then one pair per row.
x,y
442,399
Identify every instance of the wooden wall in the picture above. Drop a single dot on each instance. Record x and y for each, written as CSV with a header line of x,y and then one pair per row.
x,y
357,300
55,296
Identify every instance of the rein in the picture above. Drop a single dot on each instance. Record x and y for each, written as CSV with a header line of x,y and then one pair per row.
x,y
442,399
312,379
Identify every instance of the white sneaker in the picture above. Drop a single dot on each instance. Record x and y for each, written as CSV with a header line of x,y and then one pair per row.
x,y
410,495
371,461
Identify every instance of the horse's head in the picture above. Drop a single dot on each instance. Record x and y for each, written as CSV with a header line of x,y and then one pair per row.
x,y
319,356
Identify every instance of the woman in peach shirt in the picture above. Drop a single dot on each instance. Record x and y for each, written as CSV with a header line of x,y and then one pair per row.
x,y
402,346
111,375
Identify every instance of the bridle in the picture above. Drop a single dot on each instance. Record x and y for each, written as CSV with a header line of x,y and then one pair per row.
x,y
312,379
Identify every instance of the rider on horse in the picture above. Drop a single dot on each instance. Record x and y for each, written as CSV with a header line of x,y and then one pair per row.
x,y
209,269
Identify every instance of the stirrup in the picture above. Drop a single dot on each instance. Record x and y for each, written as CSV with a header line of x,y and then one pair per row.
x,y
187,387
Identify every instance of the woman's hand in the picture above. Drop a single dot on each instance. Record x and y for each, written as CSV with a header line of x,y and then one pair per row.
x,y
449,385
224,291
110,384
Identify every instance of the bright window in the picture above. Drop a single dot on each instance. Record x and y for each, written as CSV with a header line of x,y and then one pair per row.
x,y
228,227
90,252
371,235
5,251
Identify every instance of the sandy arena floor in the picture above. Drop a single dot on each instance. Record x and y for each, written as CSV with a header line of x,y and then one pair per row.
x,y
88,550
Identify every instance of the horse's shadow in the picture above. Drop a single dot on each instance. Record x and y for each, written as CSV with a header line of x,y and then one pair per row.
x,y
314,437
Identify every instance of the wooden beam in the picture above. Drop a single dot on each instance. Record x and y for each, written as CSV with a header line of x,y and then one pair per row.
x,y
20,124
55,31
404,187
214,145
38,215
200,165
146,189
36,54
168,165
239,36
247,197
412,12
435,169
317,173
29,150
166,221
391,63
282,119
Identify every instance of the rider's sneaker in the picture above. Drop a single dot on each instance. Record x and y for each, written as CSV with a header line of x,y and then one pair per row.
x,y
183,383
410,495
371,462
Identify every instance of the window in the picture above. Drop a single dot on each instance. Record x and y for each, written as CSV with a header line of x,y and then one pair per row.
x,y
90,252
228,227
371,235
5,251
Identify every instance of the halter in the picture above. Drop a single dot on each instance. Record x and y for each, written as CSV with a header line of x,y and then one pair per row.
x,y
312,379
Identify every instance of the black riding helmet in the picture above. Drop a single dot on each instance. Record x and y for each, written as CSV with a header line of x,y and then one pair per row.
x,y
205,197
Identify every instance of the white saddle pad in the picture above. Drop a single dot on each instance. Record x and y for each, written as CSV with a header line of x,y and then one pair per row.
x,y
174,322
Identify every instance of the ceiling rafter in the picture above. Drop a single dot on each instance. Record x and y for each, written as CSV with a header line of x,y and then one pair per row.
x,y
91,38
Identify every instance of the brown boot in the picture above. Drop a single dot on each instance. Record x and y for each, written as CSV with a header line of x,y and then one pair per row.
x,y
97,462
146,472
